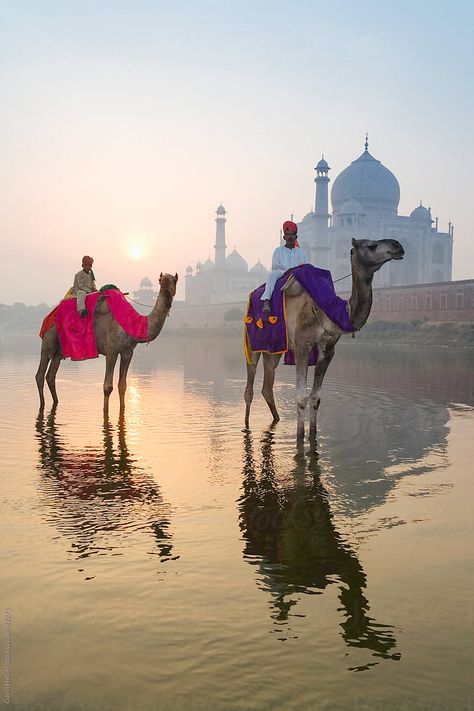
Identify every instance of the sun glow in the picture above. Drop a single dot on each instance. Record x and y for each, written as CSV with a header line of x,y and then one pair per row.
x,y
136,253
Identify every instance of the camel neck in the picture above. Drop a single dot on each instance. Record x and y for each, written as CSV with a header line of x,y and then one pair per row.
x,y
158,316
360,301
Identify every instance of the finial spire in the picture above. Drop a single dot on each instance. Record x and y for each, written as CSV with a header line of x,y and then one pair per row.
x,y
366,144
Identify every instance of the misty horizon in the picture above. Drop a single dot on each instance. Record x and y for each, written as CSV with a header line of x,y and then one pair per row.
x,y
123,128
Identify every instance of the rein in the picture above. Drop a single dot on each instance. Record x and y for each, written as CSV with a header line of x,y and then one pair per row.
x,y
341,278
147,306
139,302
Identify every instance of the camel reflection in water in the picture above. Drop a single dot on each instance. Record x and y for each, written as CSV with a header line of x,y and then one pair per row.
x,y
97,495
289,530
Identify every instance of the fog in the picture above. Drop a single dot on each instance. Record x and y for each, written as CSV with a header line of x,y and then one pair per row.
x,y
124,125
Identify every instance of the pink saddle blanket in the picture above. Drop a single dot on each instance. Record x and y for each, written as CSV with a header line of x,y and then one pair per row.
x,y
77,335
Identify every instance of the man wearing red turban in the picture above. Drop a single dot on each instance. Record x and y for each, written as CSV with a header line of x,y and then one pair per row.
x,y
285,257
84,283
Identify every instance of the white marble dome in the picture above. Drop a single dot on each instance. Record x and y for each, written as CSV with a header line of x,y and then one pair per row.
x,y
351,207
258,268
421,213
208,265
368,182
235,262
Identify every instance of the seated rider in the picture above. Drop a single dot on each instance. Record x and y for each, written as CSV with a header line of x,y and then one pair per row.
x,y
84,283
285,257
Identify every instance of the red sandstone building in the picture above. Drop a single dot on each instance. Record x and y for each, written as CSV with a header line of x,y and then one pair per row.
x,y
445,301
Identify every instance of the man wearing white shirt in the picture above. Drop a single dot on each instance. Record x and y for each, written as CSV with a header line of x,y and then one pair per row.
x,y
285,257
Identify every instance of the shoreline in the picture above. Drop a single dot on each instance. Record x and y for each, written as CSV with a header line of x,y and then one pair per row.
x,y
390,333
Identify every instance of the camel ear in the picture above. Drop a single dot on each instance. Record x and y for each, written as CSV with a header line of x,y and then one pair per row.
x,y
176,277
355,243
161,274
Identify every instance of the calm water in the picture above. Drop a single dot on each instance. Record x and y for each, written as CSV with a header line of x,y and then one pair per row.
x,y
171,561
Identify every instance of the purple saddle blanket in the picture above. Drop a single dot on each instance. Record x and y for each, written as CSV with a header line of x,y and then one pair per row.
x,y
267,332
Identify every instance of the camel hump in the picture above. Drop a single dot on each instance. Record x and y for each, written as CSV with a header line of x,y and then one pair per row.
x,y
292,287
102,307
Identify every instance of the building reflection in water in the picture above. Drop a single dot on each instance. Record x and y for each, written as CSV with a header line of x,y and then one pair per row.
x,y
98,496
289,533
373,440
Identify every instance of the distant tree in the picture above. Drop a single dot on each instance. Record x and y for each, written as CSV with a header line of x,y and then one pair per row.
x,y
233,315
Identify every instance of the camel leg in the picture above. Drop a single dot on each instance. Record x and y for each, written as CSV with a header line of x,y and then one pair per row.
x,y
42,368
110,360
270,363
315,396
301,360
51,376
248,394
125,360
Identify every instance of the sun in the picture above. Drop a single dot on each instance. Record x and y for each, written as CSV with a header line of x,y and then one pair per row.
x,y
136,253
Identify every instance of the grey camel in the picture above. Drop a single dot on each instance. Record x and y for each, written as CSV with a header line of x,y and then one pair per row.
x,y
308,325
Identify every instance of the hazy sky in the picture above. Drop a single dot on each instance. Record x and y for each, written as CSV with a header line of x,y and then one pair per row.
x,y
124,124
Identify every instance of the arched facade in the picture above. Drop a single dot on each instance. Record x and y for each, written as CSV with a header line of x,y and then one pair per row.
x,y
365,198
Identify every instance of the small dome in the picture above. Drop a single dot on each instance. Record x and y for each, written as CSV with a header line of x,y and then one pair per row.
x,y
323,165
421,213
258,268
236,262
307,218
351,207
221,210
146,283
208,265
189,269
198,267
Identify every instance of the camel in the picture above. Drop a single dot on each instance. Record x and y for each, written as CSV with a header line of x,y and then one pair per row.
x,y
111,341
308,326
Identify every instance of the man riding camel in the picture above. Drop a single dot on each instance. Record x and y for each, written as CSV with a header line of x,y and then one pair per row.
x,y
84,283
285,257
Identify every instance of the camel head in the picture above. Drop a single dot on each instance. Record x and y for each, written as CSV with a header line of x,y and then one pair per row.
x,y
168,286
372,254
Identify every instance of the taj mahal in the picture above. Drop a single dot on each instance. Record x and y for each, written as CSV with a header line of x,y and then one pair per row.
x,y
364,198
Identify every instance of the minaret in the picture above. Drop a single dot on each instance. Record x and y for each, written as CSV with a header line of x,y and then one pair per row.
x,y
220,245
188,285
320,248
